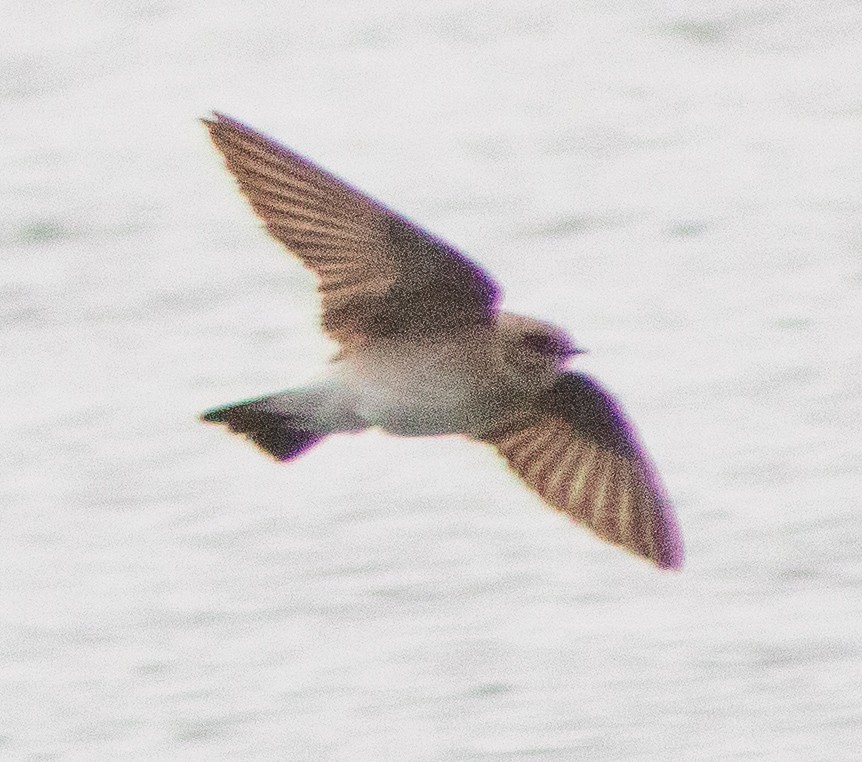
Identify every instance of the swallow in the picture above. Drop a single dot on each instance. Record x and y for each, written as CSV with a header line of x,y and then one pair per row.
x,y
424,350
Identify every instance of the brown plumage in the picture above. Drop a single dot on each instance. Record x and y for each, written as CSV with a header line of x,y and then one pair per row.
x,y
424,350
378,274
581,456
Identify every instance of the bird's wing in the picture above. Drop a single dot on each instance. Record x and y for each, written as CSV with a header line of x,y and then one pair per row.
x,y
379,275
582,457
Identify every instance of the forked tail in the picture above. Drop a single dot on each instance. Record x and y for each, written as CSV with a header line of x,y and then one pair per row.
x,y
276,433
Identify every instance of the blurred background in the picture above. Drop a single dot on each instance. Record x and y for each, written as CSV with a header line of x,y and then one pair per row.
x,y
678,183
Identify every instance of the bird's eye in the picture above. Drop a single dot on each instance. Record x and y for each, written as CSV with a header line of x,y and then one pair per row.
x,y
543,344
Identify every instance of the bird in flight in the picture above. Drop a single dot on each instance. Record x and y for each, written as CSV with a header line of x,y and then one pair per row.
x,y
425,350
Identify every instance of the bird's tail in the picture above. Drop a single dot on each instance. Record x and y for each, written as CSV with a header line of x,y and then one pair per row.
x,y
278,433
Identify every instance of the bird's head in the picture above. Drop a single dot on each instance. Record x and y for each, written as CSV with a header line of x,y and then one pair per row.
x,y
538,349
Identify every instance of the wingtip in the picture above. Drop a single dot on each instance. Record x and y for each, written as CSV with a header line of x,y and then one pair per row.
x,y
671,552
671,564
214,415
220,118
217,118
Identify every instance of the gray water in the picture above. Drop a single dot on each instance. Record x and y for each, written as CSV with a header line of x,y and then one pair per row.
x,y
678,183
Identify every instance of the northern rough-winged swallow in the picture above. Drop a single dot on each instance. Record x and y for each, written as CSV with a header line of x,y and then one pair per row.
x,y
425,351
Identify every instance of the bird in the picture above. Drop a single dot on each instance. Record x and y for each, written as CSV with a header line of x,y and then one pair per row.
x,y
425,350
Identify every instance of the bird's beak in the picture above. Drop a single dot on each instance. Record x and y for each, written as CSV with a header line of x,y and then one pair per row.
x,y
573,351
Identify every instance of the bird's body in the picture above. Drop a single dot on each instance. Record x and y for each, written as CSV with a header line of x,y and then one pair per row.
x,y
426,386
468,382
425,351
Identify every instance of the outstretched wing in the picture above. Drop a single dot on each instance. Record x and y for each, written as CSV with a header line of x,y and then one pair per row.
x,y
583,458
379,275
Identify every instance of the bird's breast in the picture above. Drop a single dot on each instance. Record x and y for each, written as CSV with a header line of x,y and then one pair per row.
x,y
426,387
